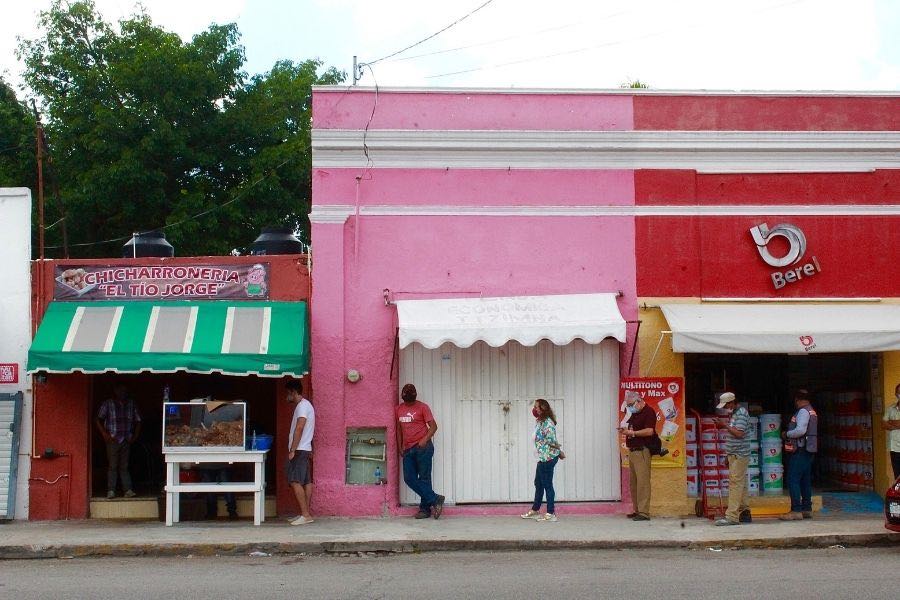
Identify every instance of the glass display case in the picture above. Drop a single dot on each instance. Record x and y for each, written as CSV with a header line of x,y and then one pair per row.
x,y
204,425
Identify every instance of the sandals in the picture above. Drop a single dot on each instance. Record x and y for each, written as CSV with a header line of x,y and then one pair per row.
x,y
532,514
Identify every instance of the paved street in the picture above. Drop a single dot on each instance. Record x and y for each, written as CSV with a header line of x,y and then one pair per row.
x,y
664,574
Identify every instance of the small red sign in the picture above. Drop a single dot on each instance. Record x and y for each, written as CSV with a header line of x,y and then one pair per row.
x,y
9,373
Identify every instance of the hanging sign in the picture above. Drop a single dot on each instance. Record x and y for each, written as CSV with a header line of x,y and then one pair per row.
x,y
158,282
665,395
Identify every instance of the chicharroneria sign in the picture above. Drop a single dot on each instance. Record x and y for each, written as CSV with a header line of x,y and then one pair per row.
x,y
796,241
180,282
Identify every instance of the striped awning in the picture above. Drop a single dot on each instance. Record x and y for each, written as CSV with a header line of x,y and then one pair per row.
x,y
237,338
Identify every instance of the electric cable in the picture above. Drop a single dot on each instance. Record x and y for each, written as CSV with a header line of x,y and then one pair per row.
x,y
433,35
593,47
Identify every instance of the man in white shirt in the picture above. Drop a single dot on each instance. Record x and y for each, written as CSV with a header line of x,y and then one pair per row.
x,y
299,468
891,423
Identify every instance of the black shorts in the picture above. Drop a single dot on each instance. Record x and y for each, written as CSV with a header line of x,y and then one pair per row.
x,y
298,469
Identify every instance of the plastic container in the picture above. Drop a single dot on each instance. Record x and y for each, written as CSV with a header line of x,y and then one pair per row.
x,y
772,480
771,455
770,427
753,488
692,482
690,455
690,429
754,459
262,441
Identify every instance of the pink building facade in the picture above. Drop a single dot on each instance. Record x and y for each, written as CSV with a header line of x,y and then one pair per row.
x,y
455,194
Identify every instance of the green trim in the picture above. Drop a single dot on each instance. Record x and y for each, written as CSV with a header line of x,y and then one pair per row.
x,y
288,352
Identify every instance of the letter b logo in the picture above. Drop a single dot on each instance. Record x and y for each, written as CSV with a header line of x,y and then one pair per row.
x,y
762,235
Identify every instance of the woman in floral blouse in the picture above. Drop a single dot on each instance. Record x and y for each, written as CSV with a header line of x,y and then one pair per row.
x,y
549,453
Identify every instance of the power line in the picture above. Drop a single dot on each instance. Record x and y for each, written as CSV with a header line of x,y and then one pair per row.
x,y
514,37
433,35
593,47
240,195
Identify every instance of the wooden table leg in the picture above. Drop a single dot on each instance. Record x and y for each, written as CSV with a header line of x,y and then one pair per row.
x,y
169,514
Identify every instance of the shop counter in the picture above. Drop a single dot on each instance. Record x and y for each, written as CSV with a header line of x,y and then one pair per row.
x,y
174,487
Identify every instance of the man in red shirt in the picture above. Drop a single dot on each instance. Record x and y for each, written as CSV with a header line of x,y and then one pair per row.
x,y
415,428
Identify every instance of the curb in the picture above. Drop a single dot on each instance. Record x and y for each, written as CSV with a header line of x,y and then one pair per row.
x,y
25,552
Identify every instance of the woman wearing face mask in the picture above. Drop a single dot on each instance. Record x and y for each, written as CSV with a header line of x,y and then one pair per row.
x,y
549,453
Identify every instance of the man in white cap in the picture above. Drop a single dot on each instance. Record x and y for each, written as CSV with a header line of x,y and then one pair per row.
x,y
737,447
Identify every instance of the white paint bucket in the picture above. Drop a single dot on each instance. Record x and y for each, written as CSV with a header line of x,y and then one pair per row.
x,y
770,426
772,480
693,479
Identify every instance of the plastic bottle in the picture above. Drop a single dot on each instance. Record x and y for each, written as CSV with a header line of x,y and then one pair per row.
x,y
253,441
166,393
378,475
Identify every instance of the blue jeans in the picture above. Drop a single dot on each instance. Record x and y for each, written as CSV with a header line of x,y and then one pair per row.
x,y
417,474
800,480
543,484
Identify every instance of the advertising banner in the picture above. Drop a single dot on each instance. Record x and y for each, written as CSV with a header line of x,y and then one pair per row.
x,y
665,395
158,282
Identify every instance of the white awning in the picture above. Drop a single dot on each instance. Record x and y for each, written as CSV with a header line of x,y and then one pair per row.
x,y
783,328
525,319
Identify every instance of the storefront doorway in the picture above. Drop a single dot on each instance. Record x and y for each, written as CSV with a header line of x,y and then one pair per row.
x,y
840,386
481,397
146,462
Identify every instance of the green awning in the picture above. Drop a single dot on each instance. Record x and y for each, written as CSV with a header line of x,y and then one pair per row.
x,y
236,338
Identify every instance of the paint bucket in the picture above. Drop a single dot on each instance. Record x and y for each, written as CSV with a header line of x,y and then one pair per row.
x,y
771,455
712,487
711,460
710,448
707,423
770,427
690,429
690,455
723,460
753,431
754,459
693,479
753,488
772,480
709,435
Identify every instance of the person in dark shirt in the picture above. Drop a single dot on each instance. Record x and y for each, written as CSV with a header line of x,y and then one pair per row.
x,y
639,428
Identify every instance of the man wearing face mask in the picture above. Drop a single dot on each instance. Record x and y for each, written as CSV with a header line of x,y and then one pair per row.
x,y
640,426
737,447
415,428
891,423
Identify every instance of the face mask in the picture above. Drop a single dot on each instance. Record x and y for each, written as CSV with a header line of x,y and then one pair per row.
x,y
633,409
536,413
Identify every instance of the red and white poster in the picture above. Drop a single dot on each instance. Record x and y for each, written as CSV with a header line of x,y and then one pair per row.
x,y
665,395
9,373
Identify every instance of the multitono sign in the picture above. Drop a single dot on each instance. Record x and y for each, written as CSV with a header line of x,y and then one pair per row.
x,y
178,282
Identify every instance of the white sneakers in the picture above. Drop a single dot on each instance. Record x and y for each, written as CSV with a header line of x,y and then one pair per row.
x,y
531,514
301,520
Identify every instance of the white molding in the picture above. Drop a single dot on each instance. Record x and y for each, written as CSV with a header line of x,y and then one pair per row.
x,y
343,89
339,213
703,151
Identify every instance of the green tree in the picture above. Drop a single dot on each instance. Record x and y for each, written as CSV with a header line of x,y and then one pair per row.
x,y
148,130
16,140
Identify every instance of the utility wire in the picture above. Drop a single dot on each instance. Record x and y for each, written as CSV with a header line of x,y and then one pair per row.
x,y
514,37
594,47
240,195
433,35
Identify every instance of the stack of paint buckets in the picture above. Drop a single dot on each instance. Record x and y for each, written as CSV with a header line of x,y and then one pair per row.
x,y
772,468
753,470
690,458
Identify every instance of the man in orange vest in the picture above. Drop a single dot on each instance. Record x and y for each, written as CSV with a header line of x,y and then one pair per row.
x,y
801,441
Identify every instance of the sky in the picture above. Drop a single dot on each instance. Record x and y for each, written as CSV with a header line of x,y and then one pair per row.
x,y
685,44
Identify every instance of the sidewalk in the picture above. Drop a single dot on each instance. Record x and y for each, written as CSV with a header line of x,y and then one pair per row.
x,y
58,539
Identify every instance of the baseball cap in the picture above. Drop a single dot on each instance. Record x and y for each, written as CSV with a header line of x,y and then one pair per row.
x,y
724,399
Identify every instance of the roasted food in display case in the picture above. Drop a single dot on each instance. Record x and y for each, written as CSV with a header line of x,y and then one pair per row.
x,y
205,425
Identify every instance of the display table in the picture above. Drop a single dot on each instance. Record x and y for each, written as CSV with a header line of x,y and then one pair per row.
x,y
174,487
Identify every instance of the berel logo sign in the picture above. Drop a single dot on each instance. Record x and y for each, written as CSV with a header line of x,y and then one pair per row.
x,y
796,240
9,373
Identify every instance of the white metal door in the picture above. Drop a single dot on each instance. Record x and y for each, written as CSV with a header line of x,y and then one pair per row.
x,y
10,414
481,398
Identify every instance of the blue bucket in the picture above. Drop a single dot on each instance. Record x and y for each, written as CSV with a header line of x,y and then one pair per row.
x,y
263,442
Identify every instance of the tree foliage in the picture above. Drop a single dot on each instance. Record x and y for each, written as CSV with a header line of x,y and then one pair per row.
x,y
148,130
16,140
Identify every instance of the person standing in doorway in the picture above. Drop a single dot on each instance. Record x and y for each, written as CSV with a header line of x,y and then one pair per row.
x,y
891,423
415,429
737,448
299,467
119,422
801,441
638,430
549,453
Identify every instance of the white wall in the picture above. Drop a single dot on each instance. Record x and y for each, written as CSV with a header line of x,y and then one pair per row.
x,y
15,316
